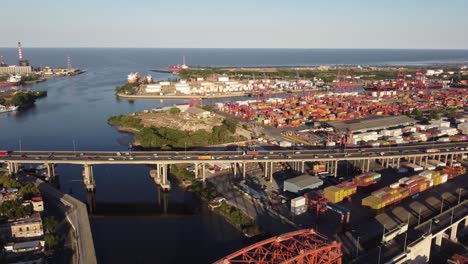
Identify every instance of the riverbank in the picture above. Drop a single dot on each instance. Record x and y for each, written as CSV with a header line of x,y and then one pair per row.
x,y
22,99
206,192
179,127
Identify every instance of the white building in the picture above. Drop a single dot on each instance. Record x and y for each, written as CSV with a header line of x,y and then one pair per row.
x,y
153,88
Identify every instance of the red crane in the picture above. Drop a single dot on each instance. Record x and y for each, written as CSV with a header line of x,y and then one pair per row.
x,y
346,83
401,81
303,246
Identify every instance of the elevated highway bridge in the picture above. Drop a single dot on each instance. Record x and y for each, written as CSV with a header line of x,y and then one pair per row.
x,y
359,157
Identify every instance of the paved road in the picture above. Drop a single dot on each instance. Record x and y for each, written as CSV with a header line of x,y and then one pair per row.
x,y
276,155
77,215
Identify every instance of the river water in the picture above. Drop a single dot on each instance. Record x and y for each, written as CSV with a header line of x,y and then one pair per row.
x,y
134,222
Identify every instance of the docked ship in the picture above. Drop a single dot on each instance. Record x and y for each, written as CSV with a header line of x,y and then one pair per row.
x,y
4,109
14,80
178,68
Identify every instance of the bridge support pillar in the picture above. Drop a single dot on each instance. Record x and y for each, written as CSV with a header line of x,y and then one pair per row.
x,y
393,163
195,171
234,169
11,168
271,171
453,233
398,162
203,172
438,241
335,168
160,176
50,170
17,167
302,168
88,178
244,165
265,169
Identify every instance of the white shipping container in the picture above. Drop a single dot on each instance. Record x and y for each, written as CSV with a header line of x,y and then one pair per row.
x,y
403,180
299,201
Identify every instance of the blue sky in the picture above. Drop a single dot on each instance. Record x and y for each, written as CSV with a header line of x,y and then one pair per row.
x,y
236,24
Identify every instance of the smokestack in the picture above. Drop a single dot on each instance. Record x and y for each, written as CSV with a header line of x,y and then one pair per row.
x,y
20,54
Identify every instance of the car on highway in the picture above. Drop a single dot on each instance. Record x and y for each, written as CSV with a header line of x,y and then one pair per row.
x,y
265,157
118,154
436,221
297,152
111,158
24,156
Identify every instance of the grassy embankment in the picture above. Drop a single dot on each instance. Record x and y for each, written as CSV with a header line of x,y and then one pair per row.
x,y
170,138
22,99
128,88
207,192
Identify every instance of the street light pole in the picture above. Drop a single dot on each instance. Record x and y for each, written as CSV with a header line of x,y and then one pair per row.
x,y
357,246
441,204
419,216
74,147
406,238
380,250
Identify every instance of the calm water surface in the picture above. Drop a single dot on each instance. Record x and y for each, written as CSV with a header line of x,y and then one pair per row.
x,y
134,222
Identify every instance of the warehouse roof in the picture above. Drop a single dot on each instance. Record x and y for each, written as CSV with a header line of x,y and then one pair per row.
x,y
374,122
304,181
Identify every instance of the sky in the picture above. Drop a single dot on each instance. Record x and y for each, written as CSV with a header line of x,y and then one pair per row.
x,y
412,24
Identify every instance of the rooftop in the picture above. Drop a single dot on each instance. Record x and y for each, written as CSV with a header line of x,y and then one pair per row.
x,y
374,122
304,180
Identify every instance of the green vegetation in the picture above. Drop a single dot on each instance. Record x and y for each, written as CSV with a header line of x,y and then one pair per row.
x,y
207,107
128,88
13,209
288,73
207,192
432,114
181,172
125,121
174,110
29,78
52,240
8,182
169,138
22,99
235,215
28,191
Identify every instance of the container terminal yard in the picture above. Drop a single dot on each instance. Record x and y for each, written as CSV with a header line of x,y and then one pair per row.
x,y
344,175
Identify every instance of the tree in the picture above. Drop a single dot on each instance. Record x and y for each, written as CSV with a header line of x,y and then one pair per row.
x,y
13,209
28,191
49,224
51,242
174,110
230,124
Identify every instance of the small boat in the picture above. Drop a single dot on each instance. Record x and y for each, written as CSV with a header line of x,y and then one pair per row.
x,y
4,109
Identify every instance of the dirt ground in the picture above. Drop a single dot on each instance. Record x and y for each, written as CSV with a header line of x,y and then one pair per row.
x,y
181,121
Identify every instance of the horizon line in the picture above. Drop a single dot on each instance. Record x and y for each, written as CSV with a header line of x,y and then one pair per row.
x,y
103,47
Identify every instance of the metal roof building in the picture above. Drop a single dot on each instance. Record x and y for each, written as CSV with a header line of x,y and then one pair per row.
x,y
300,183
371,123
